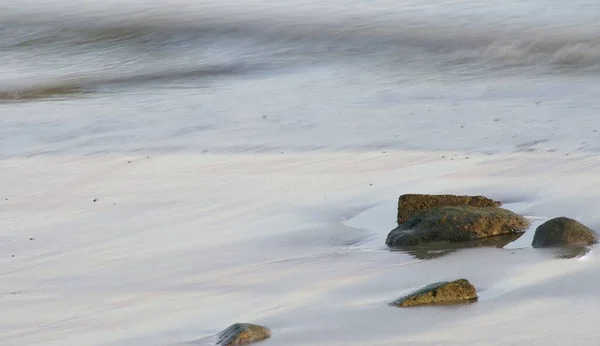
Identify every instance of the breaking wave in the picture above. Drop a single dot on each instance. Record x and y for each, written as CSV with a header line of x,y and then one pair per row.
x,y
553,44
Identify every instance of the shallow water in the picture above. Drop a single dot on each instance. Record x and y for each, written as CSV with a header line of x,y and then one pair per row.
x,y
261,76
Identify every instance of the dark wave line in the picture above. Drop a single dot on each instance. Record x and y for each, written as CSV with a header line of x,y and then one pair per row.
x,y
68,85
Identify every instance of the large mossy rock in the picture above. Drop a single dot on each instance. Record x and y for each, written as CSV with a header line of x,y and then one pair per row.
x,y
456,224
446,292
242,334
410,205
562,231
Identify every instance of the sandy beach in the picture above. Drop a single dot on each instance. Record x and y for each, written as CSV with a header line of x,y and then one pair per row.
x,y
172,253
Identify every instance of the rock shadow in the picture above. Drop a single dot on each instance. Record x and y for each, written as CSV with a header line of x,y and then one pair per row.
x,y
440,249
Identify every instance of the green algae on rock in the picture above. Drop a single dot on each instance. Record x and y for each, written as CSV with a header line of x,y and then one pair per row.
x,y
410,205
562,231
446,292
456,224
242,334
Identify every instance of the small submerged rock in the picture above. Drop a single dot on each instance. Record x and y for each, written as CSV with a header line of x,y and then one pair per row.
x,y
410,205
456,224
562,231
242,334
446,292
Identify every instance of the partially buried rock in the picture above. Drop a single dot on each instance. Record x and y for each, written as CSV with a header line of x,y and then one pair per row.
x,y
562,231
456,224
446,292
242,334
410,205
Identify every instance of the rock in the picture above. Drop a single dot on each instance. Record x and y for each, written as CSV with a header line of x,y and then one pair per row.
x,y
410,205
242,334
456,224
562,231
446,292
